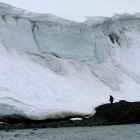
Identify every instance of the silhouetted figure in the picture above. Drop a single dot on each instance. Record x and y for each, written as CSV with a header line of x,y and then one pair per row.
x,y
111,99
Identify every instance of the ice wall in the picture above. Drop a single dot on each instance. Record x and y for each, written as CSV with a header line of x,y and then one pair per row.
x,y
51,67
47,35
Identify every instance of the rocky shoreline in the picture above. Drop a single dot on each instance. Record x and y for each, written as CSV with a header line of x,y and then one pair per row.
x,y
118,113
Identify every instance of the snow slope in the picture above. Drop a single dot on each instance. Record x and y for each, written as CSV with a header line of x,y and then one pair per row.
x,y
52,68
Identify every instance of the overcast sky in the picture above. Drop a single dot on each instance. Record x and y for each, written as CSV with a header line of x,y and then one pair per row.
x,y
77,9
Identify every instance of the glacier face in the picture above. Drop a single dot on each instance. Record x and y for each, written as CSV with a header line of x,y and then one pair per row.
x,y
47,35
52,68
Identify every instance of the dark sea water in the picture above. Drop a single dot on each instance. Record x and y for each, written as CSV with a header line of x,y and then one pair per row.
x,y
117,132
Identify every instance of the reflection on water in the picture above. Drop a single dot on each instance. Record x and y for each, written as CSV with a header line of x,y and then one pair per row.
x,y
118,132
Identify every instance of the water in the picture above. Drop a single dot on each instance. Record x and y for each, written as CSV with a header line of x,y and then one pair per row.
x,y
117,132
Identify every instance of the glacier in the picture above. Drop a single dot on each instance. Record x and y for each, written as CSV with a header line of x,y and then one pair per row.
x,y
54,68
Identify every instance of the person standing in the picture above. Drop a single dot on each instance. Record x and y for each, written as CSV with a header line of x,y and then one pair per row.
x,y
111,99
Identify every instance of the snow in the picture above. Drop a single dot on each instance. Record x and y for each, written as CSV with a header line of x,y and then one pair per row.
x,y
53,68
76,119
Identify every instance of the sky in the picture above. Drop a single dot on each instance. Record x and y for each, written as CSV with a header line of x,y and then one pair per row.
x,y
77,9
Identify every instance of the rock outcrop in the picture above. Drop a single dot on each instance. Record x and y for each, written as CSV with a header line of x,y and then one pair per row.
x,y
119,113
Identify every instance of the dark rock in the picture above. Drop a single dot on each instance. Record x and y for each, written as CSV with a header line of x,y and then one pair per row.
x,y
32,133
16,135
119,113
122,101
15,118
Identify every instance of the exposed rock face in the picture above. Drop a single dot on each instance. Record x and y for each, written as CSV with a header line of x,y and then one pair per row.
x,y
119,113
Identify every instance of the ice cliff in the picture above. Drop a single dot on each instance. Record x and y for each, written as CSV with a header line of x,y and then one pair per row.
x,y
51,67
